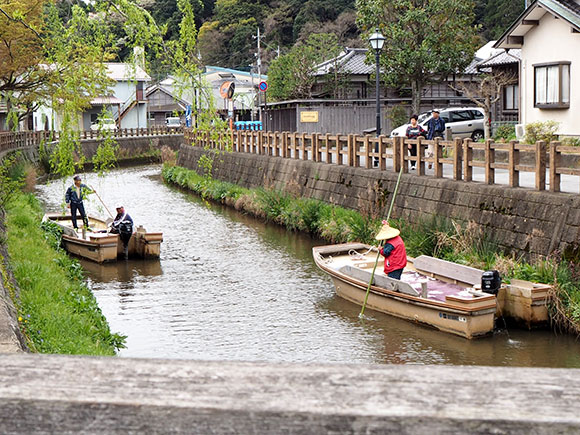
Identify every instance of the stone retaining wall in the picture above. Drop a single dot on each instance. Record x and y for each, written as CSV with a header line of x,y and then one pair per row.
x,y
523,221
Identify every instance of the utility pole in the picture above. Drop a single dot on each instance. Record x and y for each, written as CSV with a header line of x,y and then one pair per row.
x,y
259,63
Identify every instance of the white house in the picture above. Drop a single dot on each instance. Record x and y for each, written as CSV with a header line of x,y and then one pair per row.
x,y
126,101
548,34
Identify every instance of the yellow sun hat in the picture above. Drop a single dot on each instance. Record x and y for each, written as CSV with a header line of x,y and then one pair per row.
x,y
387,232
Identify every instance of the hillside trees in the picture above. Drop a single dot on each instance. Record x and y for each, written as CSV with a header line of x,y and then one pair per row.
x,y
425,39
292,75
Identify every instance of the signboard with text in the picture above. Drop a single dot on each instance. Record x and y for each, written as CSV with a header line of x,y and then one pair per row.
x,y
309,116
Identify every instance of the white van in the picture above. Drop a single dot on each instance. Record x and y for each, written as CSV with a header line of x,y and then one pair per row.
x,y
173,122
464,122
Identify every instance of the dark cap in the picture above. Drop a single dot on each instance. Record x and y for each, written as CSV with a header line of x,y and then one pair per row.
x,y
77,178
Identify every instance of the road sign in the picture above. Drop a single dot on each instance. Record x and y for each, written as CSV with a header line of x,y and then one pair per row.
x,y
263,86
227,89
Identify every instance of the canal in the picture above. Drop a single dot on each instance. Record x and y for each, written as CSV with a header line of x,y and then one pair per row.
x,y
229,287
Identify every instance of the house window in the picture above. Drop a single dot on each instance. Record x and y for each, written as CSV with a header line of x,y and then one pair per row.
x,y
552,86
511,97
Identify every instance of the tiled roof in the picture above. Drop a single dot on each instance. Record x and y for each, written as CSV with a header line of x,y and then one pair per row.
x,y
568,10
503,58
350,61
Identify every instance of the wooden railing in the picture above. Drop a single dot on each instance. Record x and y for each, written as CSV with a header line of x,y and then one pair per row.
x,y
460,156
10,141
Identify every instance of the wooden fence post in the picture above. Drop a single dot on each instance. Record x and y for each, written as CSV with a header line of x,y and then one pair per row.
x,y
314,142
437,156
260,141
349,150
367,154
514,161
382,153
338,150
489,161
396,149
467,158
540,165
403,154
303,147
457,157
285,144
420,163
554,165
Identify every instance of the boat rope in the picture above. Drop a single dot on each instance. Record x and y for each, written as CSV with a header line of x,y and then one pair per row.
x,y
327,260
355,255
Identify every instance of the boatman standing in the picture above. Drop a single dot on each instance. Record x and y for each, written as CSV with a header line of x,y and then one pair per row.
x,y
123,225
74,197
393,250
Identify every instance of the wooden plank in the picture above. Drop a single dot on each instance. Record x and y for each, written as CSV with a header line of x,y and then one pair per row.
x,y
554,164
454,271
73,394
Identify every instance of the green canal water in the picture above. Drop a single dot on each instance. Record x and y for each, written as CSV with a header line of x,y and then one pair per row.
x,y
229,287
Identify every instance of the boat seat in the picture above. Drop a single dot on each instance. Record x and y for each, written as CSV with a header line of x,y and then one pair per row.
x,y
379,280
454,271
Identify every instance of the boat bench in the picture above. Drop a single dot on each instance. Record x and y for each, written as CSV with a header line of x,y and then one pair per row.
x,y
454,271
379,280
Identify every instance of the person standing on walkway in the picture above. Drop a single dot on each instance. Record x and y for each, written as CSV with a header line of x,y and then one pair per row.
x,y
74,197
413,132
436,128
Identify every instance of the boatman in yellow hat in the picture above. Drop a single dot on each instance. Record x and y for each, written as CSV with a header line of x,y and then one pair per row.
x,y
393,250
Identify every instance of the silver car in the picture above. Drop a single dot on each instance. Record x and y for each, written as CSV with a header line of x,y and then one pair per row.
x,y
463,121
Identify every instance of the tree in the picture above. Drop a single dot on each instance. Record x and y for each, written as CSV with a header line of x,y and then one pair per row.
x,y
292,75
486,92
426,40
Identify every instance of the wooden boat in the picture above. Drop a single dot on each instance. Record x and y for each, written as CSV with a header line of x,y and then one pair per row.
x,y
102,246
432,292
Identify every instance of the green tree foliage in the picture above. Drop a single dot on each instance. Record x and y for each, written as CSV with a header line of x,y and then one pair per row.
x,y
425,39
291,75
496,16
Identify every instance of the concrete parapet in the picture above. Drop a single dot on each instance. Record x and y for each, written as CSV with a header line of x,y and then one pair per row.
x,y
523,221
63,394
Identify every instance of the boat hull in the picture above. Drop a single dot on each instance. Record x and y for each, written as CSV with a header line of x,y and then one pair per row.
x,y
465,324
102,247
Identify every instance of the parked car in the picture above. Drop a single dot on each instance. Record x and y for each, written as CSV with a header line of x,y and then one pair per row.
x,y
106,124
173,122
464,122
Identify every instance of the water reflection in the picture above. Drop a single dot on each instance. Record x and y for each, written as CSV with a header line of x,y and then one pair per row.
x,y
230,287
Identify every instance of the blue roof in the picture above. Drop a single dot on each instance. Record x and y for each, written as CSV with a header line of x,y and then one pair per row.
x,y
209,69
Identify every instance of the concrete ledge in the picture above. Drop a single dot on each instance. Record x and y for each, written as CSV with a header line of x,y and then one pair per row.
x,y
116,395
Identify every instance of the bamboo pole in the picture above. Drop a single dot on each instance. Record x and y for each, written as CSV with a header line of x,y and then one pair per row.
x,y
379,247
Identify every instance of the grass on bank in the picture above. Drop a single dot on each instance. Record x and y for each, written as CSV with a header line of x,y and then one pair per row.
x,y
438,237
57,311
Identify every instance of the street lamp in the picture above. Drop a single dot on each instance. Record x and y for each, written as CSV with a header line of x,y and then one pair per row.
x,y
377,41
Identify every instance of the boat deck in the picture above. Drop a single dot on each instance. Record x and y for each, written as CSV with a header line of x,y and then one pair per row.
x,y
437,289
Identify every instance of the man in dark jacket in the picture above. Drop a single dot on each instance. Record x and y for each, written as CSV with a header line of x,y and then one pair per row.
x,y
123,225
74,199
435,126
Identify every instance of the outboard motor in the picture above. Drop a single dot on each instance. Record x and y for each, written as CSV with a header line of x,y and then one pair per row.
x,y
491,282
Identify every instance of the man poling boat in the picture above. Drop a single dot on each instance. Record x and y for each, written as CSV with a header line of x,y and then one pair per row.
x,y
74,197
393,250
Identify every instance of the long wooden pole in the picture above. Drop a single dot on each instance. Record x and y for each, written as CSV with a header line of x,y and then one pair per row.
x,y
362,311
103,202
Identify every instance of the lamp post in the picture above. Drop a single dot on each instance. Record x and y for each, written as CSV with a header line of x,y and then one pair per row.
x,y
377,41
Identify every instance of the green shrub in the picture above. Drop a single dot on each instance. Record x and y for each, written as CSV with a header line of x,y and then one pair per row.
x,y
545,131
506,132
398,115
571,141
